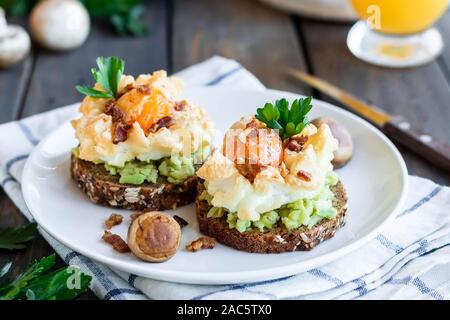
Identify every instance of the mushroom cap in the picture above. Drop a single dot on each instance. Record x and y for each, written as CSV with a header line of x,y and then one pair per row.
x,y
59,24
154,236
14,43
345,142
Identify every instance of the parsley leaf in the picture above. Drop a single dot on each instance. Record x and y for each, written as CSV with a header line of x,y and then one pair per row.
x,y
36,283
13,289
15,237
108,76
54,286
288,120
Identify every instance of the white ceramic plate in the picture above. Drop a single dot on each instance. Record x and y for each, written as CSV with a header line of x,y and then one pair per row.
x,y
375,180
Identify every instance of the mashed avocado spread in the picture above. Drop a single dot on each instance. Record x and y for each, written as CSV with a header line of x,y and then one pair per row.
x,y
304,212
176,168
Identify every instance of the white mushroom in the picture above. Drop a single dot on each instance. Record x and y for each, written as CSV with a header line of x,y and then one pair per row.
x,y
14,42
345,150
154,236
60,24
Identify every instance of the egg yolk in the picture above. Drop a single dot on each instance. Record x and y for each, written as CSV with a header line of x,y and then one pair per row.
x,y
252,150
147,108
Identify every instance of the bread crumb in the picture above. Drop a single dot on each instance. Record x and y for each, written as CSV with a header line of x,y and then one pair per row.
x,y
116,241
201,243
113,220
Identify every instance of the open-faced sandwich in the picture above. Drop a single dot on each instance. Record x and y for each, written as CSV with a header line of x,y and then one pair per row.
x,y
139,143
272,188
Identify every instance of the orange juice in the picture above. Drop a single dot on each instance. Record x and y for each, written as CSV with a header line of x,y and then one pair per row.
x,y
401,17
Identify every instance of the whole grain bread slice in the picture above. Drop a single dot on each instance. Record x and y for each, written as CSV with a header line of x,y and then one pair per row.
x,y
278,239
105,189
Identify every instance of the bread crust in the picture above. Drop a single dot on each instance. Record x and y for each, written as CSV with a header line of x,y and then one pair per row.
x,y
278,239
105,189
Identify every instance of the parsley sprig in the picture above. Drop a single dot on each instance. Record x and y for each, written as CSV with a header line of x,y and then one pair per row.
x,y
108,75
15,237
288,120
39,283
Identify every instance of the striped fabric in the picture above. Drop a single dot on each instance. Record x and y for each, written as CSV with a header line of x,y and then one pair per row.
x,y
410,260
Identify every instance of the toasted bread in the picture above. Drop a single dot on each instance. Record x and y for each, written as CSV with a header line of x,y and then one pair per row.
x,y
278,239
105,189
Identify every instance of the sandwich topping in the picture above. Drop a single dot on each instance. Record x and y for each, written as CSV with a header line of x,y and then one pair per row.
x,y
270,174
140,128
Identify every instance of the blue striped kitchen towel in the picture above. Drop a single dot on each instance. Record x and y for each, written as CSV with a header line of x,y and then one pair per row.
x,y
409,260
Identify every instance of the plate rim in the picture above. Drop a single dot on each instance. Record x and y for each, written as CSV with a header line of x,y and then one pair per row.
x,y
234,277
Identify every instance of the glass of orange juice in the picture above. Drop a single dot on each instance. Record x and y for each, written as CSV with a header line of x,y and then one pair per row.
x,y
397,33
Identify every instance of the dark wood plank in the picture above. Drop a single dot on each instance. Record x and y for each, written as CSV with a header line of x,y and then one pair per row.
x,y
261,39
13,84
421,94
38,247
56,74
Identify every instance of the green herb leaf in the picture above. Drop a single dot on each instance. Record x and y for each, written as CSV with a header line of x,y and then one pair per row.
x,y
63,284
108,76
14,238
124,15
13,289
36,284
129,23
93,92
289,121
283,107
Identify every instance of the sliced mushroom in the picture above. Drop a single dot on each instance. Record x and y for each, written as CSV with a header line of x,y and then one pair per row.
x,y
14,42
345,149
59,24
154,236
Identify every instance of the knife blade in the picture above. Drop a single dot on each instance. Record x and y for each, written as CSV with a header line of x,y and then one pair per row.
x,y
396,128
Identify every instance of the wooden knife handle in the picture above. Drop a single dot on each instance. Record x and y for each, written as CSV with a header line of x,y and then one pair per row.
x,y
400,131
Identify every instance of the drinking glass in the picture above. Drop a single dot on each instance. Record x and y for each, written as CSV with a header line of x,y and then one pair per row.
x,y
397,33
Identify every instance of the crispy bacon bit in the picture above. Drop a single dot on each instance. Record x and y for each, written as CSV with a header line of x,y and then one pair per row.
x,y
296,143
201,243
162,123
120,126
143,89
113,220
127,88
121,132
306,176
116,241
252,124
180,221
180,105
113,110
135,215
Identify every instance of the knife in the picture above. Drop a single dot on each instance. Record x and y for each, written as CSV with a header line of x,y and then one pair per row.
x,y
396,128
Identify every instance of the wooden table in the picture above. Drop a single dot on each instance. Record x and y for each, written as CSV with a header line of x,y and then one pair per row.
x,y
184,32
